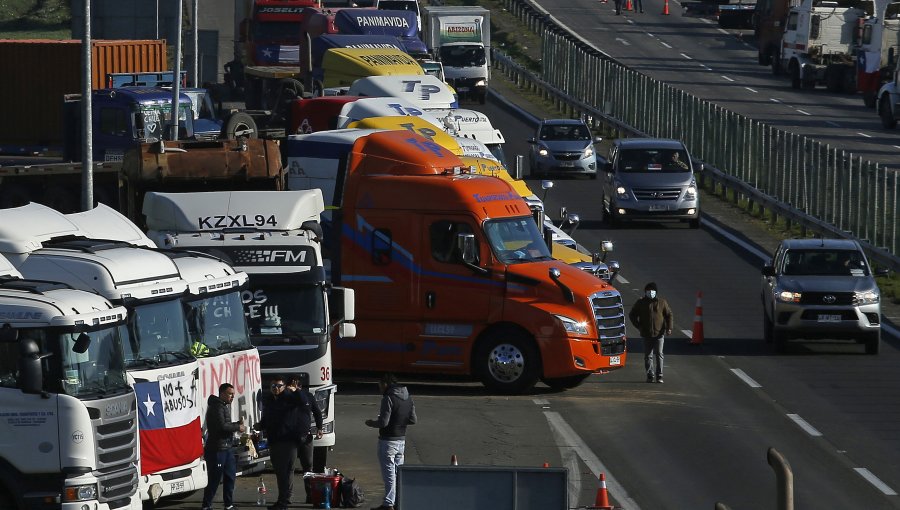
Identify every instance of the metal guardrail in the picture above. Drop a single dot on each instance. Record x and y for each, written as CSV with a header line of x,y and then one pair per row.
x,y
802,181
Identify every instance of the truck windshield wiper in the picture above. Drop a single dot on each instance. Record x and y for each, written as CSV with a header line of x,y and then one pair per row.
x,y
142,361
175,354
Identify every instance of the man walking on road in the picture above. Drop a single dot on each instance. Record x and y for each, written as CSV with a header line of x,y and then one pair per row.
x,y
397,411
653,318
220,461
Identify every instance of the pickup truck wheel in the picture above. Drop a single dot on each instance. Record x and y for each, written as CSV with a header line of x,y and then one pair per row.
x,y
14,195
884,111
873,343
237,123
508,361
565,383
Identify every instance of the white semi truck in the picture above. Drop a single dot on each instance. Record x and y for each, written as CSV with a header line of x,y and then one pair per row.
x,y
215,322
460,37
43,243
291,308
67,412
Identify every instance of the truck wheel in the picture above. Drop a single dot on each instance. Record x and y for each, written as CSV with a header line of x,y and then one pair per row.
x,y
7,500
873,343
238,124
884,111
834,78
764,58
776,62
14,195
869,99
318,89
565,383
508,361
291,89
796,82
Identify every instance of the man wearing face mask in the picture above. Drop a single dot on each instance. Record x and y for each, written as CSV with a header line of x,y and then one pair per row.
x,y
653,318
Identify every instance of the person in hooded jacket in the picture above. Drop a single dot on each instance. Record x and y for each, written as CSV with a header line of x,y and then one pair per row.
x,y
285,418
397,411
654,319
220,461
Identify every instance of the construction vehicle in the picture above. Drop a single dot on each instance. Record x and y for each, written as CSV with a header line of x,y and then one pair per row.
x,y
69,419
450,271
43,243
292,310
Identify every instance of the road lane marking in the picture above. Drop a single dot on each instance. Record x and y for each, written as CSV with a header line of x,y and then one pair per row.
x,y
687,57
621,279
566,438
666,45
809,429
705,20
704,66
541,402
623,41
724,31
688,333
834,124
897,146
752,90
863,134
804,113
740,242
874,480
746,378
727,78
774,100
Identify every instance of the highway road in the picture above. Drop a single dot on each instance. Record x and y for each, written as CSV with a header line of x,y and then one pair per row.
x,y
719,65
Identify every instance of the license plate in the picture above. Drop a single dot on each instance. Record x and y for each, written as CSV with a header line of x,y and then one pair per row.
x,y
567,164
829,318
176,487
615,360
658,208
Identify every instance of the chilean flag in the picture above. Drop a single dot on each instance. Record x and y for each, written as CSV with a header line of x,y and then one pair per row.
x,y
169,423
277,54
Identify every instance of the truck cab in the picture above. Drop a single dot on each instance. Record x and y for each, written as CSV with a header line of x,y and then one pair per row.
x,y
401,24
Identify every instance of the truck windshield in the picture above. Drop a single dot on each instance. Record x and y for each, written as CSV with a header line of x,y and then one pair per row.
x,y
285,313
150,120
218,322
463,56
99,370
277,31
516,240
157,335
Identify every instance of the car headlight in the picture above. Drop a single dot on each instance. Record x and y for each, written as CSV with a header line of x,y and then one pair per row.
x,y
869,297
588,152
80,492
621,191
572,326
543,152
480,83
690,193
786,296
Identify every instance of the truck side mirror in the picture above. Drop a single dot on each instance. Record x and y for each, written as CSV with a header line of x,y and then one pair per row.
x,y
608,167
768,271
82,343
468,248
341,305
31,379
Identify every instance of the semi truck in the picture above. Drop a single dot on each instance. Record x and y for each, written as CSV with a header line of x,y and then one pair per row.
x,y
43,243
879,53
460,37
452,275
293,311
69,423
403,25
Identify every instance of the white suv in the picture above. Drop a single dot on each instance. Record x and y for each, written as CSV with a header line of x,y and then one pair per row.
x,y
821,288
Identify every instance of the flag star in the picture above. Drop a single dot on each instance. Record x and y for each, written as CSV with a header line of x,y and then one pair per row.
x,y
149,404
267,52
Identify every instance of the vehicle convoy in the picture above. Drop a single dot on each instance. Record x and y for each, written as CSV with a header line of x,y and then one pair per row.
x,y
43,244
403,25
216,324
424,91
292,310
821,288
649,179
450,270
32,104
69,427
341,67
460,37
563,147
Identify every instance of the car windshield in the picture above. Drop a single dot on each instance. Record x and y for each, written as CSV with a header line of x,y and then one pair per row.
x,y
823,262
287,313
218,322
557,132
516,240
463,56
653,161
157,335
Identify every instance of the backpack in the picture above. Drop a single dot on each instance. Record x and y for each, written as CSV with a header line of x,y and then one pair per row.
x,y
352,494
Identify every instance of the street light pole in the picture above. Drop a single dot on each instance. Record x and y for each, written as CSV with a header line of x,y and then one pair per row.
x,y
195,9
87,133
176,80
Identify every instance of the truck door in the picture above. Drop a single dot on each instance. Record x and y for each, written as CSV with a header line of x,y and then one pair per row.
x,y
113,132
456,300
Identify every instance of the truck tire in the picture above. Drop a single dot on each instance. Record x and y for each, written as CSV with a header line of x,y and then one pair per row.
x,y
7,500
507,361
290,89
14,195
764,58
873,343
237,122
834,78
869,99
565,383
776,62
796,81
885,112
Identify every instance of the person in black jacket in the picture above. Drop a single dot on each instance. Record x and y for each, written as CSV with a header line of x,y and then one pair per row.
x,y
305,436
285,416
397,411
220,461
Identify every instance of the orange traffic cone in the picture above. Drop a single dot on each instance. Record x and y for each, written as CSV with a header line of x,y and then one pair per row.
x,y
453,461
628,6
602,501
666,8
697,334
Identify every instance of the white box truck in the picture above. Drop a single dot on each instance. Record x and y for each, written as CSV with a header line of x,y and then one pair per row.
x,y
460,38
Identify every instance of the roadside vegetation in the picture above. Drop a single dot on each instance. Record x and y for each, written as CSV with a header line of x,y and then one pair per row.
x,y
35,19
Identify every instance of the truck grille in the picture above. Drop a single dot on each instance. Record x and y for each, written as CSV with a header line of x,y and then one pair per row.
x,y
609,315
116,455
657,193
825,298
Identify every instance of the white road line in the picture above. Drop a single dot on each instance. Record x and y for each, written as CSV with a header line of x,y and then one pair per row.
x,y
897,146
686,56
688,333
746,378
835,124
774,100
809,429
621,279
874,480
566,438
727,78
623,41
724,31
804,113
752,90
541,402
743,244
704,66
666,45
863,134
705,20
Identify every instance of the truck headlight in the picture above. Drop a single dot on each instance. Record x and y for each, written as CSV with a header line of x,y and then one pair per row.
x,y
869,297
80,492
543,152
480,83
786,296
588,152
621,191
572,326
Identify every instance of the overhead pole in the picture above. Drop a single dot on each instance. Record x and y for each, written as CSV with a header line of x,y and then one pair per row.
x,y
176,79
87,134
195,22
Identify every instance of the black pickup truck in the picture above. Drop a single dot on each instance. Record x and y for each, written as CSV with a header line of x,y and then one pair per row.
x,y
729,14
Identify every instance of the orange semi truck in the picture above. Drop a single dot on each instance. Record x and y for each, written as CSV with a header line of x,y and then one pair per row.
x,y
452,275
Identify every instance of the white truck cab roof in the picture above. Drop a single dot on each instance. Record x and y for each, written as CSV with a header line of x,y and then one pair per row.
x,y
471,124
424,91
37,303
385,107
